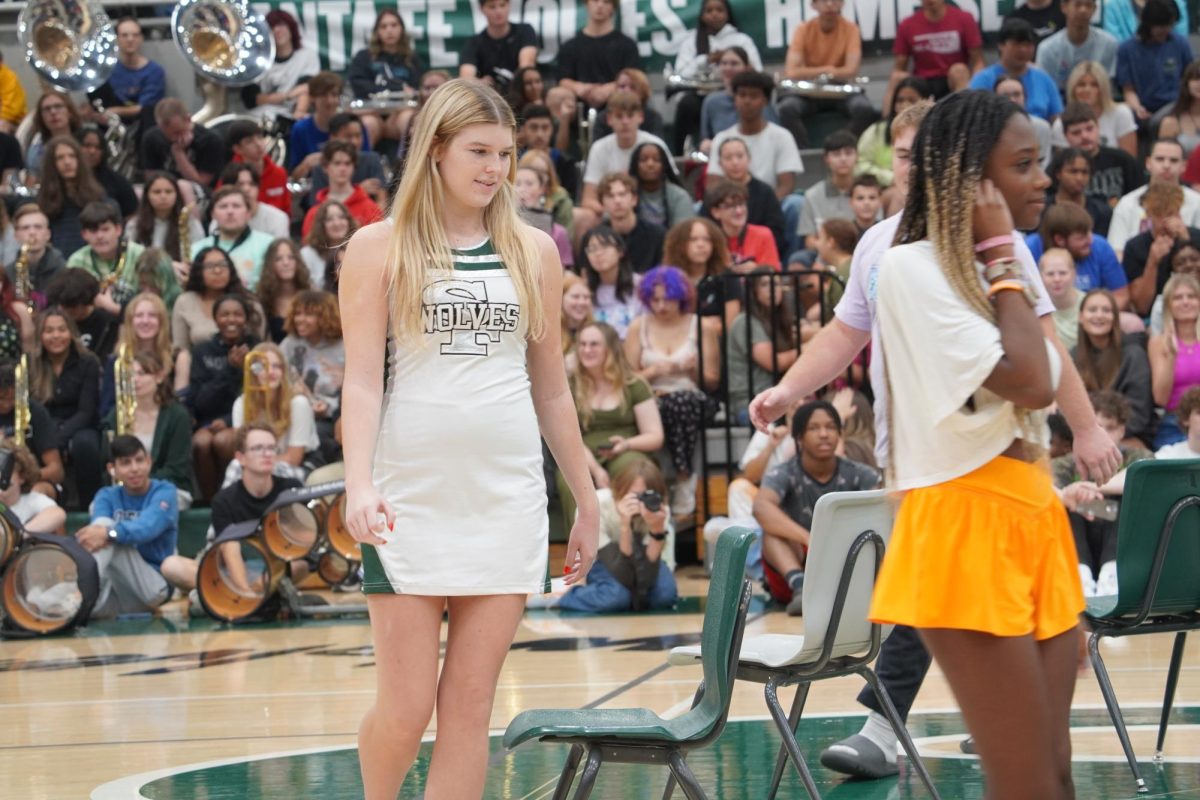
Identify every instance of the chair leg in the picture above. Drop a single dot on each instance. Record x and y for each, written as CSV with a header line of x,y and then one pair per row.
x,y
590,770
671,778
1114,709
889,711
789,738
1169,695
568,773
683,773
793,721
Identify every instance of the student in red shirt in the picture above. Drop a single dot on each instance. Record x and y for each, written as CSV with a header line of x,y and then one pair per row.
x,y
750,246
246,141
339,159
944,47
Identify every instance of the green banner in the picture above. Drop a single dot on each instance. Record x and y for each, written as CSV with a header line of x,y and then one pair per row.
x,y
439,28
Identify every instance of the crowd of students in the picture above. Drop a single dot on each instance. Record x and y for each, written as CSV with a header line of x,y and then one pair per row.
x,y
686,297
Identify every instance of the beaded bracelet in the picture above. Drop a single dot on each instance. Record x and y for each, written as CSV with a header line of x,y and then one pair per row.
x,y
999,268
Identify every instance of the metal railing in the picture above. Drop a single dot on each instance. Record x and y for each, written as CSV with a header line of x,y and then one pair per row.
x,y
798,289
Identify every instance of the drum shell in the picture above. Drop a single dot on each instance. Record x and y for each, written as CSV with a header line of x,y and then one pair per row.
x,y
218,598
87,577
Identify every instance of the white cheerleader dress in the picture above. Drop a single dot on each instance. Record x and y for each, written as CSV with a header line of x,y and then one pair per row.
x,y
459,455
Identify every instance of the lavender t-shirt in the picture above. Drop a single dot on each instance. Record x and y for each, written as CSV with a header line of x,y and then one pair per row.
x,y
857,306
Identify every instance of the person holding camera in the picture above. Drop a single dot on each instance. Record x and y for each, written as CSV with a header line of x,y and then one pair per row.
x,y
635,565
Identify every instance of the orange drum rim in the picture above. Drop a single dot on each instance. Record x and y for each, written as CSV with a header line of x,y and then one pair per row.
x,y
15,608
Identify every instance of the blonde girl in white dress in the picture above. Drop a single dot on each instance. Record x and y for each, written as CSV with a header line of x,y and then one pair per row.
x,y
444,477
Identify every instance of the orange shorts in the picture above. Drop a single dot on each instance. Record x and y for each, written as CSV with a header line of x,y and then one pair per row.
x,y
989,551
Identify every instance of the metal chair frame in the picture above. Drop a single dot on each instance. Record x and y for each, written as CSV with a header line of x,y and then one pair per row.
x,y
826,666
1145,621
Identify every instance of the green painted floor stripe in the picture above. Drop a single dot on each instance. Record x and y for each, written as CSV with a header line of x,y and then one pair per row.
x,y
737,767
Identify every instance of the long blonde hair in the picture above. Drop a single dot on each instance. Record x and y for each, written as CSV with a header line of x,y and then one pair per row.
x,y
1097,71
161,346
616,372
570,281
536,159
1170,328
419,247
276,409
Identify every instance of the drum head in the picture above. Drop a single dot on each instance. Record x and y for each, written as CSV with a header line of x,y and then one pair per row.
x,y
41,589
292,531
237,579
332,568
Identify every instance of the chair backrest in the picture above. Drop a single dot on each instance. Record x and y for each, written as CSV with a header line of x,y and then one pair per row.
x,y
839,518
720,638
1152,490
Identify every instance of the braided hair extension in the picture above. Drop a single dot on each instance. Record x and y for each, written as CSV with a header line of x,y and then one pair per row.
x,y
948,156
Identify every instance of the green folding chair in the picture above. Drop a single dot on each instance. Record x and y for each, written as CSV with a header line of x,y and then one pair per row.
x,y
1158,578
638,735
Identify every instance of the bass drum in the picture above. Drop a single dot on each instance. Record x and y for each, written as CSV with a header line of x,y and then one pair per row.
x,y
276,132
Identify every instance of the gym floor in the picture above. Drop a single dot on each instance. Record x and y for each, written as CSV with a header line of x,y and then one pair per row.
x,y
172,707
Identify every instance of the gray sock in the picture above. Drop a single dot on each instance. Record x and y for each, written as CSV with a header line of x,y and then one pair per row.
x,y
795,579
879,731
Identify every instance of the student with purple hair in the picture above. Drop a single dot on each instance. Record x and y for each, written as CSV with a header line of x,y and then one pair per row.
x,y
661,346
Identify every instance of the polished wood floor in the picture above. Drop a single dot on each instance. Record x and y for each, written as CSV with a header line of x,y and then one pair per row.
x,y
144,696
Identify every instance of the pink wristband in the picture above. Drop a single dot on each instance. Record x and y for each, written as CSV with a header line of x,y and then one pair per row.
x,y
995,241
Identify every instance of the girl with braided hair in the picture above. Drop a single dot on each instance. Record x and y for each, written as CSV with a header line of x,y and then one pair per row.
x,y
981,560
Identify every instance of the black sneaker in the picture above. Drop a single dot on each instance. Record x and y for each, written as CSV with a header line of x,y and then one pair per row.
x,y
858,756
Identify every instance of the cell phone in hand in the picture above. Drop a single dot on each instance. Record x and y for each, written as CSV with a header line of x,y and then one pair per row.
x,y
1103,508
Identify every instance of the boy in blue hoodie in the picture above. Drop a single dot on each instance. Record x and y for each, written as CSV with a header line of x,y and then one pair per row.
x,y
132,535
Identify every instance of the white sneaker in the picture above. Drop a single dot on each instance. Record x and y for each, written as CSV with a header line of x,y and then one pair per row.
x,y
1089,583
683,497
543,600
1106,585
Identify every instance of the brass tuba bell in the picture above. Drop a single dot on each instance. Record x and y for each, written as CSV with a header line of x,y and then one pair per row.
x,y
70,43
227,43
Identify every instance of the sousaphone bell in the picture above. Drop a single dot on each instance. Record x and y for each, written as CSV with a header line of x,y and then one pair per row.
x,y
70,43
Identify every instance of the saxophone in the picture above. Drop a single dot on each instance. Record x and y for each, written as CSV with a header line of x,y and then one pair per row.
x,y
21,417
24,287
185,236
126,393
110,280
